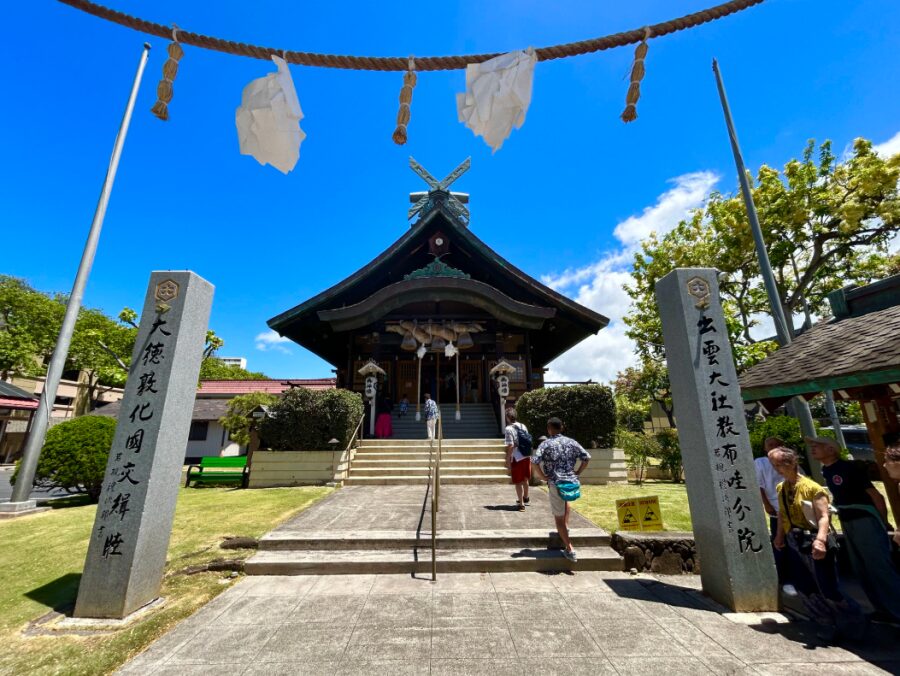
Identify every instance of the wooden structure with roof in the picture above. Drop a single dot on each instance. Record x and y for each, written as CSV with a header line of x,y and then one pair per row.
x,y
17,407
439,280
856,354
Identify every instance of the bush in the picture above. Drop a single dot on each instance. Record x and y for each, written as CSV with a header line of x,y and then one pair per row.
x,y
639,448
670,453
306,420
588,413
783,426
74,456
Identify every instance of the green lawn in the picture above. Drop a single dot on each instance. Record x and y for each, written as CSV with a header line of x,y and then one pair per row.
x,y
598,503
42,556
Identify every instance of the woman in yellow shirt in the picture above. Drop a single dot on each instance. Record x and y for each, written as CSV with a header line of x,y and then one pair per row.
x,y
811,553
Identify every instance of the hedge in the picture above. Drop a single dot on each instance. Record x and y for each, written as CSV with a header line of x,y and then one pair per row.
x,y
74,455
588,413
306,420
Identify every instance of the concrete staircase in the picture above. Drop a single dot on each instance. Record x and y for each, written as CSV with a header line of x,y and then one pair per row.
x,y
477,421
470,551
405,462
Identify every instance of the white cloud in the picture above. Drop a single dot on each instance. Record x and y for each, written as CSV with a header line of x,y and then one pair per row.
x,y
599,285
269,341
889,147
672,206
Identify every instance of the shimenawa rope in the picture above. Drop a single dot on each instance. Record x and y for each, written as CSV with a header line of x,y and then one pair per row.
x,y
397,63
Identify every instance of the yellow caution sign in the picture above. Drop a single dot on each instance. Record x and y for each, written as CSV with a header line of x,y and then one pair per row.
x,y
639,513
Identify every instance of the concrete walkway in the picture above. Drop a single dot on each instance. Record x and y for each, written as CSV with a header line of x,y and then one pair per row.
x,y
493,623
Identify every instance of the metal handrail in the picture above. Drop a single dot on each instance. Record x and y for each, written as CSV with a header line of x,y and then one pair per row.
x,y
435,481
356,436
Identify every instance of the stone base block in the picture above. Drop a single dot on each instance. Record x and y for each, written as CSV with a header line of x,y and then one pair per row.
x,y
11,510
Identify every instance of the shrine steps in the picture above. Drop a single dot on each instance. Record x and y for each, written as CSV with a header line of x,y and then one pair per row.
x,y
407,462
405,552
476,421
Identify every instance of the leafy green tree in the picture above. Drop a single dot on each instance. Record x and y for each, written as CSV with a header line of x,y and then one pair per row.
x,y
645,384
237,418
213,368
29,323
827,224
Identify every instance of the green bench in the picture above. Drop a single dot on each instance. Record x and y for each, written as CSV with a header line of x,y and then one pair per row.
x,y
223,470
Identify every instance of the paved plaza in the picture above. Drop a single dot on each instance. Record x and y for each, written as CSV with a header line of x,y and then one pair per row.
x,y
493,623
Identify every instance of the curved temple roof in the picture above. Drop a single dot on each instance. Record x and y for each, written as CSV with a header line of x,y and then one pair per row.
x,y
496,286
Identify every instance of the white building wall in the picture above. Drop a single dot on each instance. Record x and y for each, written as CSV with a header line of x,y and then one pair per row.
x,y
216,443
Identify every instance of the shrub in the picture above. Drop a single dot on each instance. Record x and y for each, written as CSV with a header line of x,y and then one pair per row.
x,y
74,455
670,453
783,426
237,417
588,413
639,448
306,420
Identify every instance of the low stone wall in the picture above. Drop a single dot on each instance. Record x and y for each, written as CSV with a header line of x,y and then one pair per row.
x,y
607,466
667,553
271,469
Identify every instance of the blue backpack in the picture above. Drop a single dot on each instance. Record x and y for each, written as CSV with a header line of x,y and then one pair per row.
x,y
524,441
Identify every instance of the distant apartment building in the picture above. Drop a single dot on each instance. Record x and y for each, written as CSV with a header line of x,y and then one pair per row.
x,y
234,361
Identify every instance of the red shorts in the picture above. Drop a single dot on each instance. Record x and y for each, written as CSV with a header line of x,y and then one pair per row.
x,y
521,470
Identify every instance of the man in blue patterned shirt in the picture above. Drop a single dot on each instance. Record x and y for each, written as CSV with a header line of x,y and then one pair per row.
x,y
431,414
554,462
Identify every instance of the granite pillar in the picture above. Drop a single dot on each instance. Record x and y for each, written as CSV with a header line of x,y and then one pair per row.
x,y
730,525
127,552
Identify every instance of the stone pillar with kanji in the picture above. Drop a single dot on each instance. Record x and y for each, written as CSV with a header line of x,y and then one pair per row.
x,y
126,556
730,525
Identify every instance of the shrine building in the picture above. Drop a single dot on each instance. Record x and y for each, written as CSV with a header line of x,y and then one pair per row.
x,y
437,311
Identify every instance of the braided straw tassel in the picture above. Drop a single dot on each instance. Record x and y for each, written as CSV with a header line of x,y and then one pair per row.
x,y
409,81
637,74
170,70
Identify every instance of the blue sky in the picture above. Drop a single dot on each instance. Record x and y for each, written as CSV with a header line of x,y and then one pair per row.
x,y
566,198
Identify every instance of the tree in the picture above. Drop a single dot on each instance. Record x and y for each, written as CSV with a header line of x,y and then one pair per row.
x,y
213,368
649,383
237,418
29,323
827,224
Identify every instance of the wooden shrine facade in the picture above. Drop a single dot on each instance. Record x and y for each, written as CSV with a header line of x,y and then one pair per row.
x,y
439,284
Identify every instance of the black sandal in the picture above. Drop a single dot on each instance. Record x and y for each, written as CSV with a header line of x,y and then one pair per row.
x,y
520,507
527,500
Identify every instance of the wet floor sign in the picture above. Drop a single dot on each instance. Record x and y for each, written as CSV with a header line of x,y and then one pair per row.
x,y
639,513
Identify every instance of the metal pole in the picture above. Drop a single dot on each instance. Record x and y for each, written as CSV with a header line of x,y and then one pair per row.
x,y
801,408
57,363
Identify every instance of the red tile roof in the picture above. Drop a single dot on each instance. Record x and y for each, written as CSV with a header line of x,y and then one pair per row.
x,y
236,387
22,404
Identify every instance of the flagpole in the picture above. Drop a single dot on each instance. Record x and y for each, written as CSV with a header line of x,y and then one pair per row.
x,y
801,408
21,491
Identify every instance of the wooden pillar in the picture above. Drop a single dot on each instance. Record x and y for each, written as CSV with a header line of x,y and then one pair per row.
x,y
351,375
881,418
528,371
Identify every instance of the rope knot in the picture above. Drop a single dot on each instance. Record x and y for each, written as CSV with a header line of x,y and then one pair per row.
x,y
637,74
164,90
406,93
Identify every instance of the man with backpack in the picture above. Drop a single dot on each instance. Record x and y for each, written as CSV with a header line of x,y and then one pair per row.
x,y
554,462
518,456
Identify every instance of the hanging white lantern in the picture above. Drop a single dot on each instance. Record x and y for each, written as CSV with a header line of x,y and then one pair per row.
x,y
420,353
268,119
497,96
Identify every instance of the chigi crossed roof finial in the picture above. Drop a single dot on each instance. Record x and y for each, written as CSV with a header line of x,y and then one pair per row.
x,y
455,201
